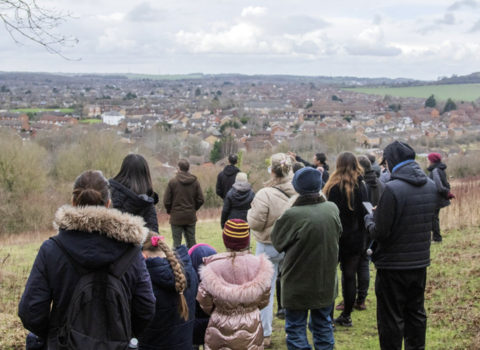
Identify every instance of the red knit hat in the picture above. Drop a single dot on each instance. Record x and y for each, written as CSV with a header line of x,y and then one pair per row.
x,y
236,234
434,157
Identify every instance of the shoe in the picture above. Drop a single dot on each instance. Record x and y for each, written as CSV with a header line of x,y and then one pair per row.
x,y
343,321
267,342
281,314
340,306
359,305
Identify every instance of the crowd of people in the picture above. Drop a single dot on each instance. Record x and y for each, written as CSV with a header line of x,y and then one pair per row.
x,y
109,281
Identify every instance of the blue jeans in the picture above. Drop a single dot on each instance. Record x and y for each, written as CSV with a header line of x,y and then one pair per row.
x,y
275,257
320,325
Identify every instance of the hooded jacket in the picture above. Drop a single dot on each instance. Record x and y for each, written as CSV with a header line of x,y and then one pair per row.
x,y
197,254
233,291
326,168
140,205
226,179
182,198
439,176
268,205
237,202
168,331
402,224
95,237
371,179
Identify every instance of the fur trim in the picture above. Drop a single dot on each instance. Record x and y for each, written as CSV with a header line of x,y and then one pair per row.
x,y
245,293
112,223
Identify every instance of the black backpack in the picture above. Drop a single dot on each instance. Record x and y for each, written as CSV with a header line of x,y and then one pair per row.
x,y
99,313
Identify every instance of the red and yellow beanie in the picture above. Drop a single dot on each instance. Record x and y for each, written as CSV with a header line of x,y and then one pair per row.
x,y
236,234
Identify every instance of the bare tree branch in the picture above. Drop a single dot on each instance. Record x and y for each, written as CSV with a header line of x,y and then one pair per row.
x,y
27,19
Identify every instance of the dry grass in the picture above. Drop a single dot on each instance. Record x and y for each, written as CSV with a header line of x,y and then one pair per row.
x,y
465,209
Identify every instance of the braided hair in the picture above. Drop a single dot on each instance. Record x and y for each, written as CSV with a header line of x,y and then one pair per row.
x,y
180,279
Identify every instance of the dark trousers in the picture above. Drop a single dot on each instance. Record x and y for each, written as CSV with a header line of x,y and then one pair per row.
x,y
188,231
349,267
400,308
436,226
363,278
279,286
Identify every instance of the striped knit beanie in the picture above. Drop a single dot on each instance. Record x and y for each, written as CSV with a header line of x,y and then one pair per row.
x,y
236,234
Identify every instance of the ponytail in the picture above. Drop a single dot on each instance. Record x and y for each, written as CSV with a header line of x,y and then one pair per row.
x,y
91,188
180,280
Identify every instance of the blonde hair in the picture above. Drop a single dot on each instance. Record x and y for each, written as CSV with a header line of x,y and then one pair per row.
x,y
281,165
345,176
180,280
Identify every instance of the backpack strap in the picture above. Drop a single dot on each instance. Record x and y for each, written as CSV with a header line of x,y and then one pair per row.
x,y
281,191
119,267
80,269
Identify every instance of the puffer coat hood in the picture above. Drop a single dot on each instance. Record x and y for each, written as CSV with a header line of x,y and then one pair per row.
x,y
142,205
168,331
94,237
233,290
237,202
396,153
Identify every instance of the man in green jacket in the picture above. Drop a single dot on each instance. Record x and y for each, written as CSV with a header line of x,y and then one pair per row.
x,y
308,233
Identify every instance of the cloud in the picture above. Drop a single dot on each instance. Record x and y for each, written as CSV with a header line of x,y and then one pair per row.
x,y
371,42
377,20
144,12
475,28
117,16
254,11
458,4
448,19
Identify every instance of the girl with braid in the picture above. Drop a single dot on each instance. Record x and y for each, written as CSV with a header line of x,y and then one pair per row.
x,y
175,287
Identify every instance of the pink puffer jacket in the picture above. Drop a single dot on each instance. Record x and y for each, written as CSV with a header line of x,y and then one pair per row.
x,y
233,291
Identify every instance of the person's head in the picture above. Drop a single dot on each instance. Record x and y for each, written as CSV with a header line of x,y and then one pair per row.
x,y
91,188
365,163
198,252
241,177
183,165
297,166
434,158
396,153
154,246
307,181
371,157
232,159
345,176
319,159
280,164
236,235
135,175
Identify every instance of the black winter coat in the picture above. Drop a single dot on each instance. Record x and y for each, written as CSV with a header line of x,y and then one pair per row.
x,y
226,179
168,331
140,205
95,237
353,237
439,176
325,166
370,178
237,202
402,223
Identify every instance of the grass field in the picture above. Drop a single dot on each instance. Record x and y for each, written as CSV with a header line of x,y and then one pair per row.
x,y
36,110
91,121
452,299
164,77
461,92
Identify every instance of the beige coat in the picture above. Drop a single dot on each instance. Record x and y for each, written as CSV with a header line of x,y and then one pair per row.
x,y
269,204
233,292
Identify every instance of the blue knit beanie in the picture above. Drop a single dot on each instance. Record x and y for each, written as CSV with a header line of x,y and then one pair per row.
x,y
307,180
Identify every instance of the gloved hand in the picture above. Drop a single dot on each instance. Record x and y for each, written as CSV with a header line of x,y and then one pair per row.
x,y
450,195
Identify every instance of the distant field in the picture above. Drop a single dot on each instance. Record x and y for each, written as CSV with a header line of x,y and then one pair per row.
x,y
36,110
164,77
460,92
91,121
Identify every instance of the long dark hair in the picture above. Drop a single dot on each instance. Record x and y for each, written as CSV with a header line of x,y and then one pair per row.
x,y
135,175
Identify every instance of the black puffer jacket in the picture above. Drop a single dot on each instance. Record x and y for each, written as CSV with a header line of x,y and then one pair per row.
x,y
226,179
129,202
94,237
439,176
237,202
402,223
353,237
370,178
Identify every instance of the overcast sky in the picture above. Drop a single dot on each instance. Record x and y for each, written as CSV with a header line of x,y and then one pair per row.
x,y
421,39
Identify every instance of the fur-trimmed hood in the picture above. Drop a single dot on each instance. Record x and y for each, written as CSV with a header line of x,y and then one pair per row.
x,y
219,266
112,223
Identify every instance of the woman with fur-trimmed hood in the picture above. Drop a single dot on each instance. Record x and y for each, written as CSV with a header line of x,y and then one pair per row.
x,y
94,237
235,287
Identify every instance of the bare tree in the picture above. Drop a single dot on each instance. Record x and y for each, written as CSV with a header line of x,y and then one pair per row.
x,y
27,19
